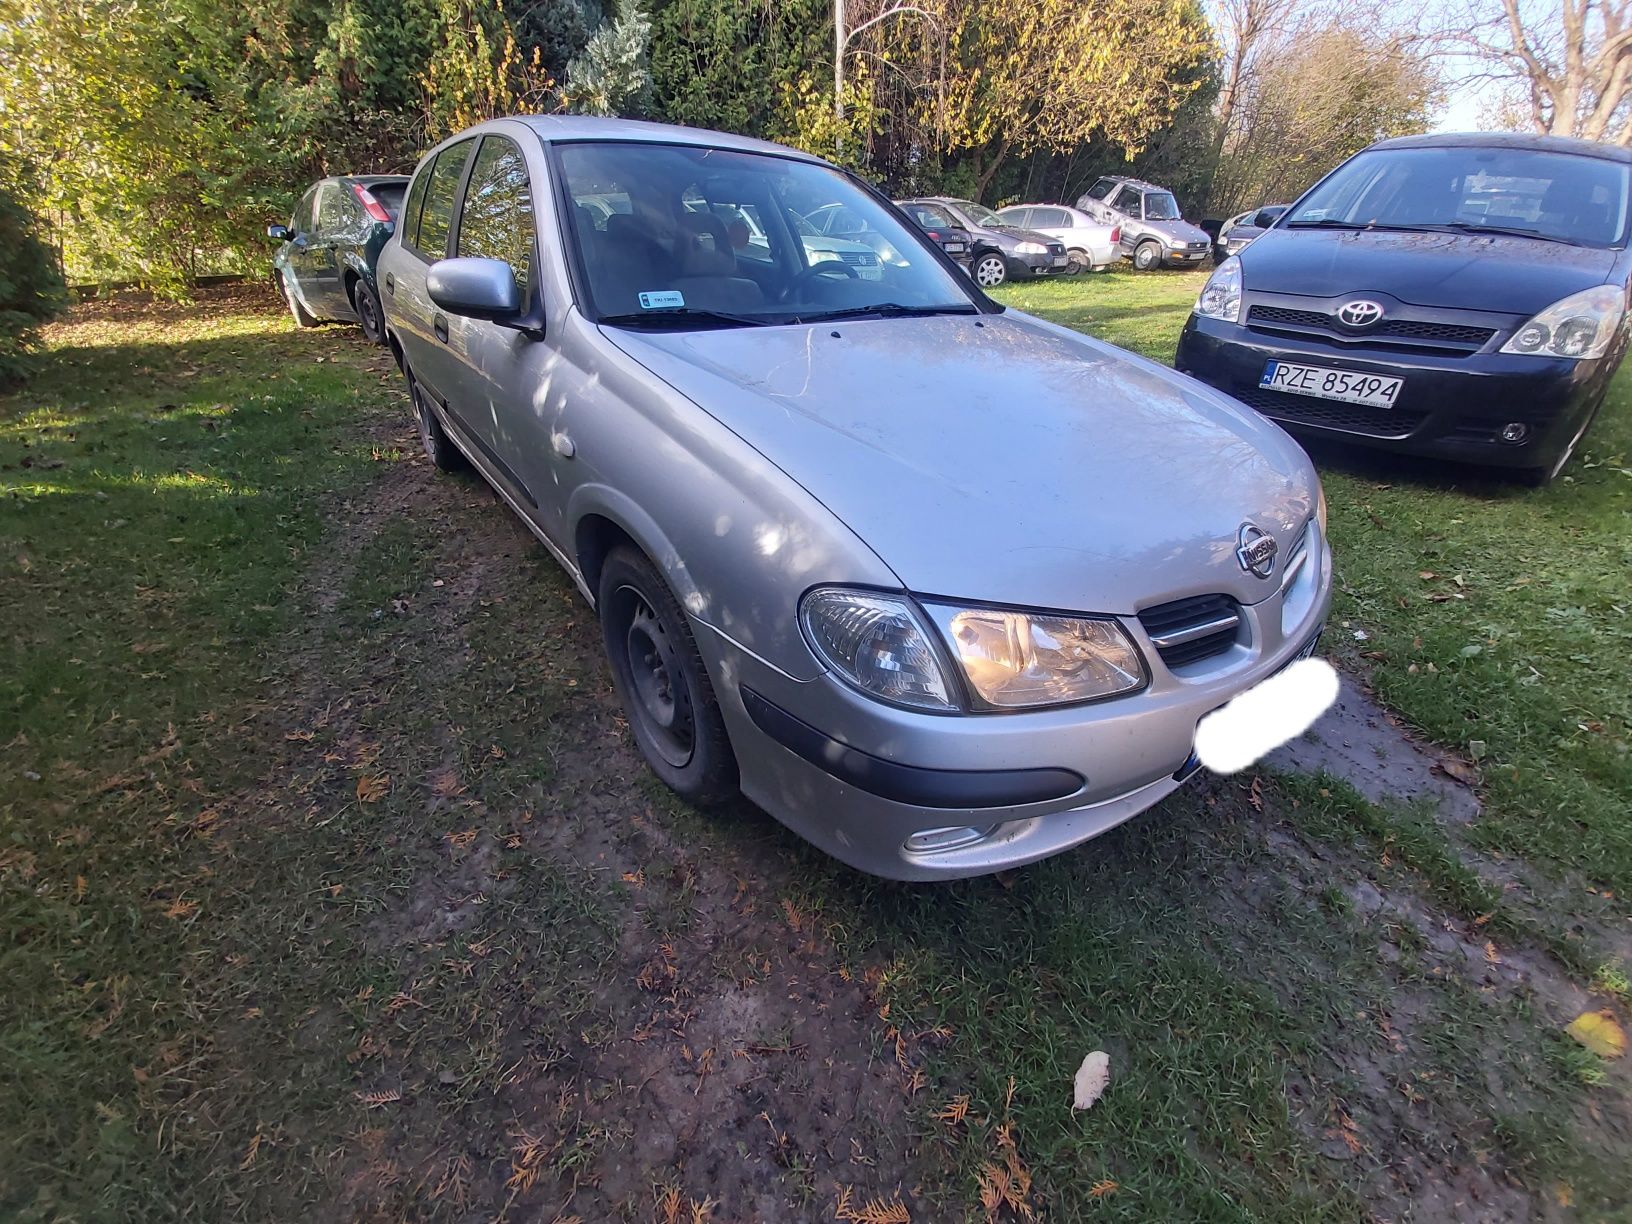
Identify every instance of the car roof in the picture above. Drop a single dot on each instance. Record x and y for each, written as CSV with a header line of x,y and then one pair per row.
x,y
1132,182
1039,204
1509,140
595,127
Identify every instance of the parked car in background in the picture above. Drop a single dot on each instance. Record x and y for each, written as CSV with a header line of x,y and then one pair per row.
x,y
1001,251
1154,233
834,529
838,221
1242,228
1459,296
937,223
325,265
1090,245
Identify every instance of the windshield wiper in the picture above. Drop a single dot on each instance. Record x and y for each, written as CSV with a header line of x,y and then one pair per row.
x,y
1334,223
682,316
1512,231
891,310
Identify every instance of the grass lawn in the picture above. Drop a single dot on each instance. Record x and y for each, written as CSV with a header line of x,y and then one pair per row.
x,y
331,887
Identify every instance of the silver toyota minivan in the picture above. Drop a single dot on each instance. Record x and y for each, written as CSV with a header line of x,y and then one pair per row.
x,y
941,586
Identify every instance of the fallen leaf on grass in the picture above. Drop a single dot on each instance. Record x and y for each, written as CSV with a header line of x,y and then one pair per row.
x,y
1600,1032
1091,1080
873,1211
954,1111
389,1096
372,787
1461,771
1102,1189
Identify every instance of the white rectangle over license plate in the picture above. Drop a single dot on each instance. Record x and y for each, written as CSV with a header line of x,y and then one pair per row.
x,y
954,247
1060,261
1322,382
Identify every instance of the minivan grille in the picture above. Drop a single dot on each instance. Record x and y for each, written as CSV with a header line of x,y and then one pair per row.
x,y
1192,629
1462,336
1329,414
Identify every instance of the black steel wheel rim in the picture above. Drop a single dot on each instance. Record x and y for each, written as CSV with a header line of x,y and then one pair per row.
x,y
661,696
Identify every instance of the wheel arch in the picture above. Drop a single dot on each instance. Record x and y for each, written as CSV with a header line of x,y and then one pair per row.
x,y
604,518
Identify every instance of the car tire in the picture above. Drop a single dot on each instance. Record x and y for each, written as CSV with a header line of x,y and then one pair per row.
x,y
1078,262
1147,256
659,676
439,448
990,270
302,317
369,315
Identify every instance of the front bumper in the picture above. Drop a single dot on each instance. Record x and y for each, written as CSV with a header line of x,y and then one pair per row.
x,y
859,778
1035,265
1451,407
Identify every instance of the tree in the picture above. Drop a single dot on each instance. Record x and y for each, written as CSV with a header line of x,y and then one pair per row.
x,y
1567,65
31,290
613,75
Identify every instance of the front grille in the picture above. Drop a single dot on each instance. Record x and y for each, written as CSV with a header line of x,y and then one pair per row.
x,y
1192,629
1199,246
1329,414
1462,336
861,259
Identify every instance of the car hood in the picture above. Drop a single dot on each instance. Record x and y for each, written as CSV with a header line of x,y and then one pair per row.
x,y
1457,271
1002,458
1178,231
1009,237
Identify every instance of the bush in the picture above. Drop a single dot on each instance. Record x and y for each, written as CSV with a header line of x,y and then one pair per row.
x,y
31,290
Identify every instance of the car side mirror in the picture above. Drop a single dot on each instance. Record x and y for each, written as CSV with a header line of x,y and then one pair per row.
x,y
280,233
476,288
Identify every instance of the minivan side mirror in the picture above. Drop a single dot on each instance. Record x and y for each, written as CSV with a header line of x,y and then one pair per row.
x,y
280,233
476,288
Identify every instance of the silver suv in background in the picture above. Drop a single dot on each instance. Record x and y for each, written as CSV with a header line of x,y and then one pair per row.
x,y
943,587
1154,233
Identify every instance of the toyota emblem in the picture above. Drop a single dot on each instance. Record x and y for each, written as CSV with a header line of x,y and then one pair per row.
x,y
1360,313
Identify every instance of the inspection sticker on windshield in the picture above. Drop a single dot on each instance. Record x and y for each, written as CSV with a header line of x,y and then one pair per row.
x,y
662,299
1373,390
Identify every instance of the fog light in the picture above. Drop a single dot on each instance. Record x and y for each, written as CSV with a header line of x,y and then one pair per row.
x,y
936,841
1515,431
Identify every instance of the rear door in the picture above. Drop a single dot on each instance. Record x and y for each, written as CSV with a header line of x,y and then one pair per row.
x,y
426,227
321,270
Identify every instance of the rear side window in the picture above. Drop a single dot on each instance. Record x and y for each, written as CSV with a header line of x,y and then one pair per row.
x,y
415,203
497,219
332,214
301,223
436,213
1050,218
929,216
1101,189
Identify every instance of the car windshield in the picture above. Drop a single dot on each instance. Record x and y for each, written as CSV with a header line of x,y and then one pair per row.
x,y
981,215
1161,206
680,236
1563,197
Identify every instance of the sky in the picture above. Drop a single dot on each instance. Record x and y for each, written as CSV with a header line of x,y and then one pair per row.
x,y
1467,100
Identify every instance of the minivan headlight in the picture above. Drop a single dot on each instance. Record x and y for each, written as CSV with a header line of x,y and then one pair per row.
x,y
1016,660
1579,326
876,643
1221,295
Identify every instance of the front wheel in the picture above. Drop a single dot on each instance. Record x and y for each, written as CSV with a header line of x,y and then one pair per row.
x,y
439,448
1147,256
660,678
990,270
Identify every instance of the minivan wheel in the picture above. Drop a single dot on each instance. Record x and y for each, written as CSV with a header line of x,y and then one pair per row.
x,y
369,317
1146,256
990,270
302,317
439,448
660,678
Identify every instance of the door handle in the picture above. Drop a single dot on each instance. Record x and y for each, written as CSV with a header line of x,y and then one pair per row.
x,y
439,325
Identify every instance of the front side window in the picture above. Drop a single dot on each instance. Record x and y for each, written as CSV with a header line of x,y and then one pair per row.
x,y
496,221
305,213
1129,202
686,236
1018,217
1559,197
1161,206
436,215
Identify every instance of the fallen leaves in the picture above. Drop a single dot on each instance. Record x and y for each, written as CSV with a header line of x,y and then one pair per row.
x,y
374,1100
1092,1078
371,788
873,1211
1599,1032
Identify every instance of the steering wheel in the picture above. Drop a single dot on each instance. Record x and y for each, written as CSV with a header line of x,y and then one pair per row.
x,y
824,268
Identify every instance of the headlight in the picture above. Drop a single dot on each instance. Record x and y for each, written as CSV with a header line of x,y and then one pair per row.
x,y
875,642
1581,325
817,257
1221,295
1320,512
1031,248
1014,660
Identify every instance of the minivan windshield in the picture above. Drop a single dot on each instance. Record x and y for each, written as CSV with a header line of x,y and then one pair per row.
x,y
682,236
1558,197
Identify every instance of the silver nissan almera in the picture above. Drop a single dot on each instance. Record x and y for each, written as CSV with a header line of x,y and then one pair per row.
x,y
941,586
